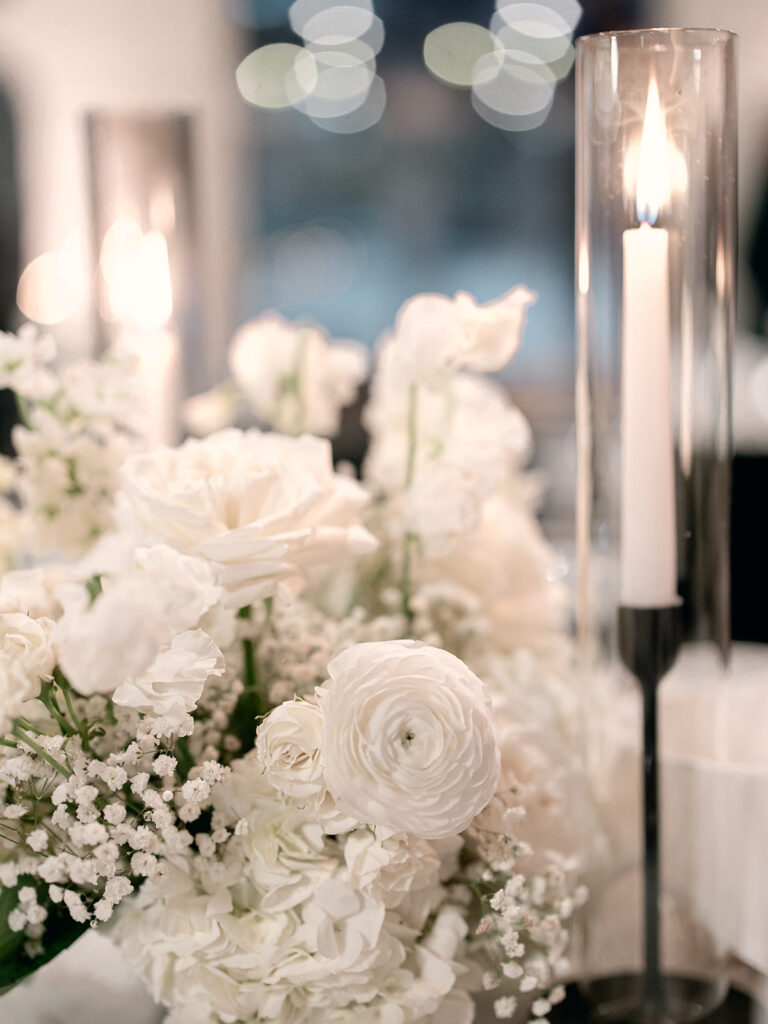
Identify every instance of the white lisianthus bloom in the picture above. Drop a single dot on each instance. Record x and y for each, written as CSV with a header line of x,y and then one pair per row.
x,y
24,360
293,378
435,335
264,508
173,684
117,636
288,746
26,658
408,740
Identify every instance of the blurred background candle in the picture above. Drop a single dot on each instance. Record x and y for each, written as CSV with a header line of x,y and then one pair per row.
x,y
139,299
648,526
149,298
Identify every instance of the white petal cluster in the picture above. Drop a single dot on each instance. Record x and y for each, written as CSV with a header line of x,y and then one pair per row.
x,y
77,428
462,421
139,634
26,658
25,360
264,508
435,335
511,570
293,378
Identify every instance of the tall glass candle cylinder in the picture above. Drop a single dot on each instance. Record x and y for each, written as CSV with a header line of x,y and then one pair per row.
x,y
655,258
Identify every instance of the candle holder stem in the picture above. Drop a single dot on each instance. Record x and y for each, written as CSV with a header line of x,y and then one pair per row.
x,y
649,639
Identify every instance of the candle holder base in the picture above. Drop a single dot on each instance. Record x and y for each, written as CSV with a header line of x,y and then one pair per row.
x,y
691,978
619,999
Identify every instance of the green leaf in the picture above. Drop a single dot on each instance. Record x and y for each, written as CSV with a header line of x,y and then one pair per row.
x,y
60,932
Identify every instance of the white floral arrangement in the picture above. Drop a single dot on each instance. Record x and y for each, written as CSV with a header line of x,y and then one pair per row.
x,y
309,744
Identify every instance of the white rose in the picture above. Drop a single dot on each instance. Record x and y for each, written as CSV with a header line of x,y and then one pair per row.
x,y
294,380
173,684
264,508
26,657
288,746
408,739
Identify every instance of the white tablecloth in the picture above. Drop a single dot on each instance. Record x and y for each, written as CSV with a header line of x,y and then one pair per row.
x,y
714,742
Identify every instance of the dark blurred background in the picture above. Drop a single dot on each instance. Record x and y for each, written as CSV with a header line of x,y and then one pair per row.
x,y
341,212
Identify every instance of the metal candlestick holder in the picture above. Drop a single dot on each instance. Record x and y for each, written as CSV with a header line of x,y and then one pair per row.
x,y
655,283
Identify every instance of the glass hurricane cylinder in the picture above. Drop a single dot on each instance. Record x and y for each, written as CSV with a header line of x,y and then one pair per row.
x,y
655,274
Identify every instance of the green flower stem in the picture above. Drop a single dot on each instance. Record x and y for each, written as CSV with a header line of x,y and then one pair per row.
x,y
248,707
26,724
18,731
22,407
9,743
63,684
410,467
48,699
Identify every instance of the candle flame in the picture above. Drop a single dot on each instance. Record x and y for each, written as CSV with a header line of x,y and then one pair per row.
x,y
137,275
653,175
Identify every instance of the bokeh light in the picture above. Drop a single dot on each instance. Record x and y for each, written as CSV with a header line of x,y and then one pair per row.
x,y
301,12
332,78
452,51
570,11
52,286
514,66
276,76
514,96
365,115
337,25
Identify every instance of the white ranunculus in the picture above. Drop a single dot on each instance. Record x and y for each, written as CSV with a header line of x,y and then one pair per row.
x,y
294,380
408,740
264,508
103,641
26,658
435,334
288,746
173,684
